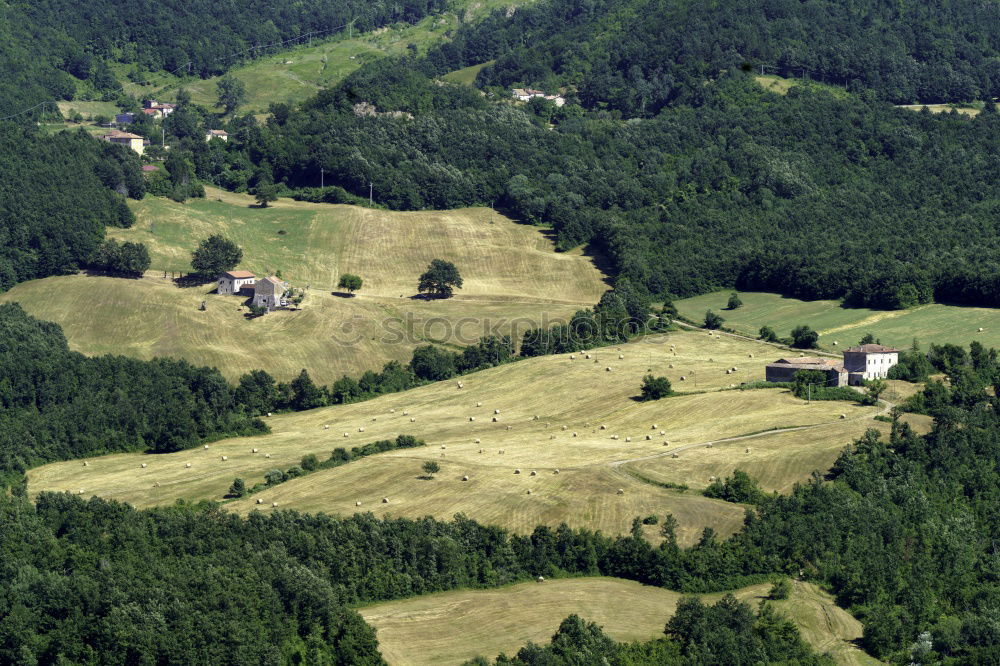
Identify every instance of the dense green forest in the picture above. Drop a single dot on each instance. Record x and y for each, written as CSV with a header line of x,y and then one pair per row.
x,y
57,194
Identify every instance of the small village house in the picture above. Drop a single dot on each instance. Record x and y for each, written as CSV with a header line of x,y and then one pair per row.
x,y
216,134
232,282
525,94
869,362
127,139
859,364
268,293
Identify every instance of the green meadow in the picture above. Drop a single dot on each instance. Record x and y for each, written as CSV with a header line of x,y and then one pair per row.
x,y
927,323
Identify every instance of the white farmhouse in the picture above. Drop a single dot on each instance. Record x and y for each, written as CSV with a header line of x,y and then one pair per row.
x,y
268,293
231,282
869,362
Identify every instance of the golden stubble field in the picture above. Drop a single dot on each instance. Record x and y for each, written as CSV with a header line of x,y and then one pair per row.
x,y
513,280
452,627
542,404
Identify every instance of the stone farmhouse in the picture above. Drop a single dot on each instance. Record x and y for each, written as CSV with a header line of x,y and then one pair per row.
x,y
127,139
859,364
216,134
232,282
269,293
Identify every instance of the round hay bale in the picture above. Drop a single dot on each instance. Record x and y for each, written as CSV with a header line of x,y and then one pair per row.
x,y
614,436
361,429
472,418
683,378
143,465
392,411
326,427
465,478
80,491
517,471
269,413
496,411
734,368
267,455
479,404
835,343
843,416
187,465
621,491
588,355
653,427
674,455
607,369
711,479
574,434
533,473
529,491
980,329
555,471
709,445
535,417
274,505
461,385
480,450
477,440
671,366
206,446
357,504
604,427
729,372
508,427
565,427
748,449
540,579
346,435
621,356
663,432
253,450
85,463
749,355
628,439
260,501
443,446
572,357
495,420
225,458
385,500
405,413
649,437
413,420
374,418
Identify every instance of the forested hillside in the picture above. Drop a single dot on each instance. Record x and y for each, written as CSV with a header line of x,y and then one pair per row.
x,y
57,194
812,194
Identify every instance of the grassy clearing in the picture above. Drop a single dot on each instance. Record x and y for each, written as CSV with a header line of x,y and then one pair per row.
x,y
296,74
578,394
513,280
928,323
451,627
467,75
781,85
965,109
314,243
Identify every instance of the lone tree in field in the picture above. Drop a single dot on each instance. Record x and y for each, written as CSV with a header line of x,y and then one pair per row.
x,y
265,191
431,468
713,320
350,282
780,590
232,93
238,489
440,279
804,337
654,388
216,254
734,301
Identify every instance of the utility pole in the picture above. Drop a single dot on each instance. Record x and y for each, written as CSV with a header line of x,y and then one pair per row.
x,y
321,181
370,185
163,137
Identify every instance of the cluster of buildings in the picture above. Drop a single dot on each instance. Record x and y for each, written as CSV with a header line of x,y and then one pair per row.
x,y
859,364
153,109
268,292
525,94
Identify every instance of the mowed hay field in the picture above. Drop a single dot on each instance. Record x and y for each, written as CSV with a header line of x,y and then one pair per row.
x,y
928,323
312,244
330,336
452,627
513,280
578,394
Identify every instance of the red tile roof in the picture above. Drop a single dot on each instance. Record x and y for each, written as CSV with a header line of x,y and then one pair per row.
x,y
238,275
